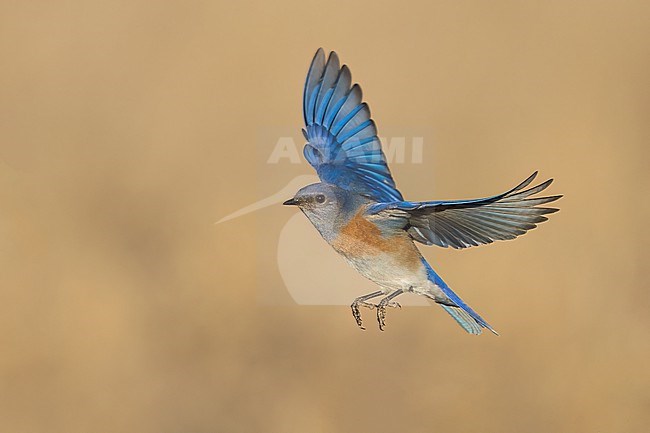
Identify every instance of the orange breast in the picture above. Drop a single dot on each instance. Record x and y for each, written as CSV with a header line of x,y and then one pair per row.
x,y
362,239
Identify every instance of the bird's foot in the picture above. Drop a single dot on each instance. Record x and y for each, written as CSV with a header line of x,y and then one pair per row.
x,y
357,314
381,311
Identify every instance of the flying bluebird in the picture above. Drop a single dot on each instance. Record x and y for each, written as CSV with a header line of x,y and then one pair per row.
x,y
358,210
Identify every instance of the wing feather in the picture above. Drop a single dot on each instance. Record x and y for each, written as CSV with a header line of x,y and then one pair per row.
x,y
467,223
342,144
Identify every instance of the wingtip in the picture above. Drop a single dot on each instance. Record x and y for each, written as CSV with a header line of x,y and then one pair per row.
x,y
542,186
333,57
356,88
552,198
522,185
319,56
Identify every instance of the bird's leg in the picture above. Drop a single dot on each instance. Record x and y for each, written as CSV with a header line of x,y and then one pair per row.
x,y
385,303
361,302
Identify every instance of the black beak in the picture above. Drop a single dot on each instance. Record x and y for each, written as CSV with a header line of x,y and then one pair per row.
x,y
291,202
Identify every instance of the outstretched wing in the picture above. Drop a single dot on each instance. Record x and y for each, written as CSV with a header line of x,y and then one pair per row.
x,y
342,139
467,223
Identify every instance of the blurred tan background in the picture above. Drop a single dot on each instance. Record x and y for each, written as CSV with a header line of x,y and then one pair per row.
x,y
129,127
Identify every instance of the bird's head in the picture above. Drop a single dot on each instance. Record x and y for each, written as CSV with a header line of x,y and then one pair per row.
x,y
320,202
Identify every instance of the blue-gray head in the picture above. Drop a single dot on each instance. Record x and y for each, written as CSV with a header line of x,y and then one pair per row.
x,y
325,205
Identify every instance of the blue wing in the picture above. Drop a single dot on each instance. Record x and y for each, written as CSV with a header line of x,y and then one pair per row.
x,y
467,223
342,138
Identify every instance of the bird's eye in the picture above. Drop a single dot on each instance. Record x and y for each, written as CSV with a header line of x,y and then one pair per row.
x,y
320,198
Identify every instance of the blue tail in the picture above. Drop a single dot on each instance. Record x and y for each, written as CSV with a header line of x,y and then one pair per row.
x,y
461,312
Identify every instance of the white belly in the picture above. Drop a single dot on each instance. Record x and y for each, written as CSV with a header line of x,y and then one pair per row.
x,y
385,272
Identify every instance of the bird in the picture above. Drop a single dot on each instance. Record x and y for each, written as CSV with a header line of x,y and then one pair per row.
x,y
358,210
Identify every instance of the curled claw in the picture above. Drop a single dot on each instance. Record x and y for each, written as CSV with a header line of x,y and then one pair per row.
x,y
381,313
357,315
381,317
387,302
362,301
